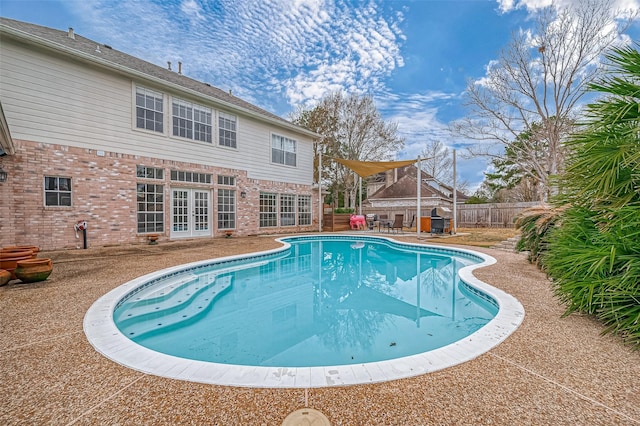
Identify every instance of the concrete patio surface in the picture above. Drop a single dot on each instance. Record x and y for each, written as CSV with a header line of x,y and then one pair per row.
x,y
551,371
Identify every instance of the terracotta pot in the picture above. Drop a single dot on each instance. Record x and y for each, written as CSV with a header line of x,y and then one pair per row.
x,y
5,277
34,249
33,270
9,259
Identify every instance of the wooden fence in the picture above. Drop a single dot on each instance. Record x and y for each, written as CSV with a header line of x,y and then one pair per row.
x,y
496,215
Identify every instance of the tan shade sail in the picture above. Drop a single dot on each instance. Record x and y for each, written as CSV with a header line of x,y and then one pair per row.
x,y
368,168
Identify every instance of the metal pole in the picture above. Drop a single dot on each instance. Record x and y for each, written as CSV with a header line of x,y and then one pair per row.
x,y
418,196
455,196
360,195
320,201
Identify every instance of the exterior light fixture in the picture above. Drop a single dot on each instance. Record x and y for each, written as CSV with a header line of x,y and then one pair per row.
x,y
243,194
3,175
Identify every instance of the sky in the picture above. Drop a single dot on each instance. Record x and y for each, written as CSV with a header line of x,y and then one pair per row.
x,y
414,57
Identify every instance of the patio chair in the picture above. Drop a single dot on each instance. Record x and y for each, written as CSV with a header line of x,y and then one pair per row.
x,y
397,223
410,225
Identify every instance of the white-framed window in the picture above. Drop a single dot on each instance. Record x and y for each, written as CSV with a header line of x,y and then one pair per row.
x,y
149,109
57,191
304,210
227,129
283,150
149,172
287,210
268,209
150,207
226,180
226,209
192,177
191,121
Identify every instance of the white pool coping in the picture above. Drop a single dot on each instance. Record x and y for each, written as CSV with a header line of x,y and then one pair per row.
x,y
107,339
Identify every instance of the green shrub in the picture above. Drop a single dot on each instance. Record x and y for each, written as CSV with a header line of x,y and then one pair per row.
x,y
534,225
593,257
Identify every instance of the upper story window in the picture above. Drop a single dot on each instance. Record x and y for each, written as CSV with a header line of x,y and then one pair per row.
x,y
283,150
57,191
191,121
149,109
227,129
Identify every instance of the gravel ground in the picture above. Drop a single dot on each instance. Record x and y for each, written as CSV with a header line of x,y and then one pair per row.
x,y
551,371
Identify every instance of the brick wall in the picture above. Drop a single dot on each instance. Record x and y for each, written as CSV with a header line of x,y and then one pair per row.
x,y
104,194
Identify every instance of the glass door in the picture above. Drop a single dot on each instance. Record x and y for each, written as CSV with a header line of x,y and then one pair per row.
x,y
190,213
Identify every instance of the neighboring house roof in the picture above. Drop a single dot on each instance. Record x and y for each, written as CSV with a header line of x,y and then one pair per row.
x,y
405,186
87,50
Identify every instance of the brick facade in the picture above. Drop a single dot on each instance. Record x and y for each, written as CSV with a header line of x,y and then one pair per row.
x,y
104,194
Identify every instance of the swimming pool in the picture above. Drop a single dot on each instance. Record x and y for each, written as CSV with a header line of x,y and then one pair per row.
x,y
340,310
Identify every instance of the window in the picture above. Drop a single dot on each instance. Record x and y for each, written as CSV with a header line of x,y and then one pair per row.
x,y
268,209
287,210
149,172
304,210
57,191
150,210
283,150
180,176
226,180
227,129
149,107
226,209
191,121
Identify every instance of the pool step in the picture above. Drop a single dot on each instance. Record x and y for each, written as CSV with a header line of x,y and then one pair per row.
x,y
169,313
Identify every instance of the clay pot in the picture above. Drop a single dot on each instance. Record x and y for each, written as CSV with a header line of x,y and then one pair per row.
x,y
5,277
33,270
34,249
9,259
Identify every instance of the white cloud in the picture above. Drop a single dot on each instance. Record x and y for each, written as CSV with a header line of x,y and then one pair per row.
x,y
192,9
506,6
261,49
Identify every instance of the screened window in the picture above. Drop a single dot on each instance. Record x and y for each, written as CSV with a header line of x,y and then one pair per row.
x,y
268,209
149,172
191,121
226,209
57,191
227,129
283,150
150,207
304,210
149,109
287,210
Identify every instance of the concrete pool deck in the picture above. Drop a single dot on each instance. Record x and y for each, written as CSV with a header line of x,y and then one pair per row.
x,y
551,370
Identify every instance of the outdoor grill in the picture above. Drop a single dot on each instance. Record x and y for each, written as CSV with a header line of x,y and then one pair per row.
x,y
439,223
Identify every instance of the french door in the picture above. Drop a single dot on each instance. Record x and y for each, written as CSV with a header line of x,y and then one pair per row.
x,y
190,213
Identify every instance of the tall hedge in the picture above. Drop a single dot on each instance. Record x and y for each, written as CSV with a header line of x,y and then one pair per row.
x,y
593,254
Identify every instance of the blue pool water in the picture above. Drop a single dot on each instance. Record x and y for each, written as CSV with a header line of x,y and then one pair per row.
x,y
324,301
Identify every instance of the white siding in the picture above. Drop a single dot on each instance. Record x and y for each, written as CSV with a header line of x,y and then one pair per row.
x,y
55,100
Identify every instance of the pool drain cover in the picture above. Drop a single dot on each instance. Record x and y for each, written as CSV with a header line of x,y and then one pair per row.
x,y
306,417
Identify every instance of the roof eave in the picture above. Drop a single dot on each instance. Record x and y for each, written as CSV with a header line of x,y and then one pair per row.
x,y
38,41
6,141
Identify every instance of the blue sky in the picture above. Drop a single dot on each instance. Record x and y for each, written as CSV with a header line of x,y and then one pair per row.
x,y
414,57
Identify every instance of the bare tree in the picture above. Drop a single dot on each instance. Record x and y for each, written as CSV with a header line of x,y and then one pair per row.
x,y
352,129
536,84
437,161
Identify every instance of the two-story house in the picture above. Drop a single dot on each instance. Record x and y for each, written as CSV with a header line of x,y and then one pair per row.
x,y
89,133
